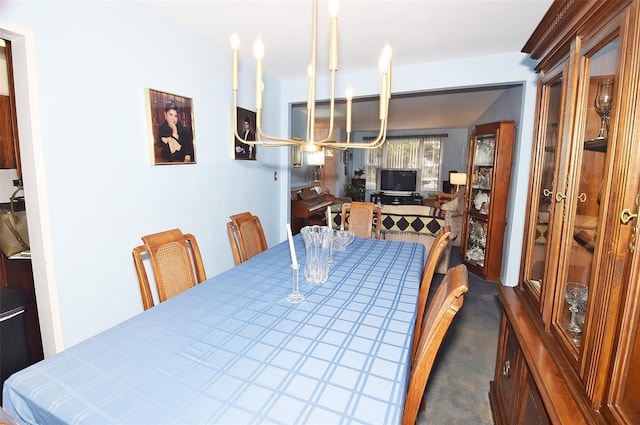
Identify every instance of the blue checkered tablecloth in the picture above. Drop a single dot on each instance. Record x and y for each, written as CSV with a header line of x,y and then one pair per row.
x,y
233,351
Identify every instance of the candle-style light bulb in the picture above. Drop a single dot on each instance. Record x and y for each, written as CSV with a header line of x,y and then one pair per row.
x,y
349,93
334,8
258,49
383,65
388,53
235,41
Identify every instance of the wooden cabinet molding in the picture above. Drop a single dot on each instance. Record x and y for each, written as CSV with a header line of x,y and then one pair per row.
x,y
9,142
576,231
561,403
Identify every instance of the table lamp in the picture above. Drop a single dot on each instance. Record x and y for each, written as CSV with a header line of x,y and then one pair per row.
x,y
458,179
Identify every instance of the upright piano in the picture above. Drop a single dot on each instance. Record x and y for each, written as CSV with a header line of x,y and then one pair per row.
x,y
308,207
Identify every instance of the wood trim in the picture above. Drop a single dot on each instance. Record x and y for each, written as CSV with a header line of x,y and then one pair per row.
x,y
563,22
557,391
12,109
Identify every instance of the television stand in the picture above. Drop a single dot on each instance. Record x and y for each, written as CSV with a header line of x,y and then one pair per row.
x,y
400,199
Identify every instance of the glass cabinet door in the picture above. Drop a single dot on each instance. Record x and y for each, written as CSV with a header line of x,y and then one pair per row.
x,y
571,164
583,197
480,197
542,204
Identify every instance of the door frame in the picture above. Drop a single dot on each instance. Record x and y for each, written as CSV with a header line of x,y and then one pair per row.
x,y
33,172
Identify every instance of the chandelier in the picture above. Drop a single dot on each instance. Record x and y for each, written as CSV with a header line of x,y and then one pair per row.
x,y
310,144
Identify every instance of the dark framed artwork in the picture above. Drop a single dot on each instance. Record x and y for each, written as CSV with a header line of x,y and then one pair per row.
x,y
171,128
246,122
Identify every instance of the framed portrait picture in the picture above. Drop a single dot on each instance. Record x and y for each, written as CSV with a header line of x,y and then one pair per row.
x,y
246,121
296,156
171,128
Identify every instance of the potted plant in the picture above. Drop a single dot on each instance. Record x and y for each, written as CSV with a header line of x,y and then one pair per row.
x,y
354,191
359,173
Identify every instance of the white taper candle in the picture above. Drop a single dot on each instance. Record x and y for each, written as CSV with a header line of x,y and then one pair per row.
x,y
294,259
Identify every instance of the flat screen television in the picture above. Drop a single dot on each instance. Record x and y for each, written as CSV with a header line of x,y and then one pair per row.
x,y
394,181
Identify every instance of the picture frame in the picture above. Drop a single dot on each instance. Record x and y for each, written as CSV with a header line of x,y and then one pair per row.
x,y
297,156
244,151
171,128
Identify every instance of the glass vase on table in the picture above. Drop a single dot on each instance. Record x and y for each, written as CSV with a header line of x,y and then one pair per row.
x,y
317,240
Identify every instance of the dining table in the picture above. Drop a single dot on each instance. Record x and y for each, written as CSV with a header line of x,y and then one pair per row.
x,y
233,350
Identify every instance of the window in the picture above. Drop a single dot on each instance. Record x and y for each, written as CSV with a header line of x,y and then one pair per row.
x,y
412,152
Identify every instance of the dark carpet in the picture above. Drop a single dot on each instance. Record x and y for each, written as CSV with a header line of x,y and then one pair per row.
x,y
457,392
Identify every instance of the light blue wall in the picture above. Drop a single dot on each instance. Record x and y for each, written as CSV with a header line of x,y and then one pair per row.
x,y
93,61
507,107
88,177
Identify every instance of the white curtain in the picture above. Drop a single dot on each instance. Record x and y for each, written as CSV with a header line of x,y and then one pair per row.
x,y
421,153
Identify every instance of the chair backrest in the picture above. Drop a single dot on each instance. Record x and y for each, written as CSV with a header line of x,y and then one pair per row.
x,y
175,261
446,303
435,252
246,236
233,239
360,219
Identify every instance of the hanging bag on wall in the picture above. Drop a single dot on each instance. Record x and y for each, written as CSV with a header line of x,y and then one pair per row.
x,y
14,235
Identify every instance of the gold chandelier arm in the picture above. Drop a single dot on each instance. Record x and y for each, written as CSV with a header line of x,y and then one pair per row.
x,y
333,64
376,143
311,95
385,86
331,107
259,141
271,140
310,145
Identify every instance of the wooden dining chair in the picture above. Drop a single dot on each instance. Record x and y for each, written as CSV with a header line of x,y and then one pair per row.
x,y
246,236
360,219
447,301
435,252
175,261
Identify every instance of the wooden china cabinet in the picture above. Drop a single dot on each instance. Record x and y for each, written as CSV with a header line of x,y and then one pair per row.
x,y
569,349
487,190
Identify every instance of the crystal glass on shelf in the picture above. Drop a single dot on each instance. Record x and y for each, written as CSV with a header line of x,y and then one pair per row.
x,y
603,105
576,295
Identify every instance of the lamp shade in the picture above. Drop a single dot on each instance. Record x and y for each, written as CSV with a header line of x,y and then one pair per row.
x,y
458,179
315,158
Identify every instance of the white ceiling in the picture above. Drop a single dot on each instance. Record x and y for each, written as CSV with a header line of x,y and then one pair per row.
x,y
418,31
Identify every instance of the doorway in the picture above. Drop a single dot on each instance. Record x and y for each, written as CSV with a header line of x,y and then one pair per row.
x,y
20,319
25,85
